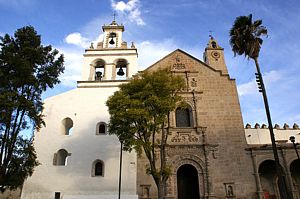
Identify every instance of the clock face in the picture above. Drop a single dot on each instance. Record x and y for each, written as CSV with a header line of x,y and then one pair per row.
x,y
215,54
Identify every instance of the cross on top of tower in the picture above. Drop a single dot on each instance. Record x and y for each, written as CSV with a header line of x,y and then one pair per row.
x,y
114,21
210,35
114,16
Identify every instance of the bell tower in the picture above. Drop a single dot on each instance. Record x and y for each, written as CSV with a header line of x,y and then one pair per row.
x,y
110,60
214,56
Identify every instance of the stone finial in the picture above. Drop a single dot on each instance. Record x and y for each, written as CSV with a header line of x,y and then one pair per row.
x,y
286,126
295,126
92,46
248,126
264,126
132,45
257,126
276,126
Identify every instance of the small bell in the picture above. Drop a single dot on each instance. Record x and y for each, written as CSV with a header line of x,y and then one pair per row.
x,y
98,75
112,42
120,72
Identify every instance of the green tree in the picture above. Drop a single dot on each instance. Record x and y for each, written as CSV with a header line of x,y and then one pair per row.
x,y
245,39
27,68
140,115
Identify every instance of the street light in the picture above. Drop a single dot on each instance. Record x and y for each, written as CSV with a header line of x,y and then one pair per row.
x,y
292,139
283,189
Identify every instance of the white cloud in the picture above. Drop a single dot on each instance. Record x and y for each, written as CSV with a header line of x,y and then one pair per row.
x,y
73,57
251,87
73,65
76,39
131,9
150,52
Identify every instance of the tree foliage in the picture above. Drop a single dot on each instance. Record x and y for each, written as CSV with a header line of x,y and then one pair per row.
x,y
139,116
27,68
245,36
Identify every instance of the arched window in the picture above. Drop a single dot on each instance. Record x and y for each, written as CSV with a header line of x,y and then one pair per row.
x,y
184,117
67,125
101,128
60,158
98,168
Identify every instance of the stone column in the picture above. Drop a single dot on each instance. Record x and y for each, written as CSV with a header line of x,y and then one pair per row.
x,y
288,175
259,190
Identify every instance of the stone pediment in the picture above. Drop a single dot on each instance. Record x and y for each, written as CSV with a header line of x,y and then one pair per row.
x,y
180,61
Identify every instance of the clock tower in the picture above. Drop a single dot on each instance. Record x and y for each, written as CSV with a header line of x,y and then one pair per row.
x,y
214,56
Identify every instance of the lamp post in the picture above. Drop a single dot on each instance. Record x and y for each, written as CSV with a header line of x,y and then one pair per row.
x,y
292,139
283,189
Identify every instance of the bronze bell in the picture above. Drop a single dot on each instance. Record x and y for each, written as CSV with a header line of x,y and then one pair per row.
x,y
120,72
98,75
112,42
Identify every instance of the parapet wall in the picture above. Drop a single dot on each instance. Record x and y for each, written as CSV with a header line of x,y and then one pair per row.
x,y
260,134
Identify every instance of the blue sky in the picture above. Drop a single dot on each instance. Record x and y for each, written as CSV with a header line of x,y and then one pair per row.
x,y
160,26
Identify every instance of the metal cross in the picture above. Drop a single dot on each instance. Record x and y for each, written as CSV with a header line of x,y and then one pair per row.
x,y
114,16
210,35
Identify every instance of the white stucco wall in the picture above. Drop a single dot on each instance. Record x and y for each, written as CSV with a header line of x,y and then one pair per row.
x,y
262,136
86,107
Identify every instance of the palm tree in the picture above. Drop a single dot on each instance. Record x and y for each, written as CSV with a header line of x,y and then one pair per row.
x,y
245,39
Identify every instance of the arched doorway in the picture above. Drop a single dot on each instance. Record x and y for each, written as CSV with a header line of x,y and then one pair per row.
x,y
295,173
187,182
269,179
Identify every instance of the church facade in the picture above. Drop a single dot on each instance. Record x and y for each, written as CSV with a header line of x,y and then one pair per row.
x,y
210,152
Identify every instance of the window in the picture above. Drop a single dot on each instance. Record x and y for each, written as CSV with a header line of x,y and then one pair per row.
x,y
184,117
101,128
67,125
98,168
57,195
60,158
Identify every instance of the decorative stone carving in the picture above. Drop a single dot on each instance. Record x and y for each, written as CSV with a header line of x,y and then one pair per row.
x,y
178,65
194,82
276,126
286,126
185,137
248,126
264,126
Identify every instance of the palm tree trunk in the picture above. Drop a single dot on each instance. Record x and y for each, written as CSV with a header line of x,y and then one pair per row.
x,y
285,193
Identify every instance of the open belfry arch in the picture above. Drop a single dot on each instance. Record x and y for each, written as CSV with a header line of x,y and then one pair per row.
x,y
110,59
